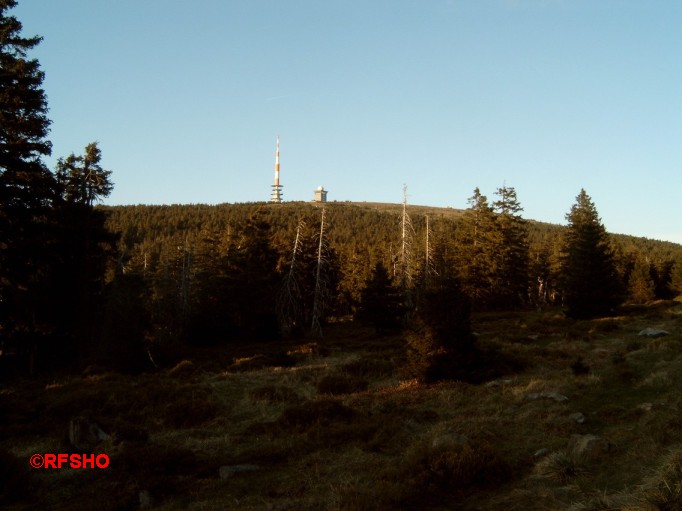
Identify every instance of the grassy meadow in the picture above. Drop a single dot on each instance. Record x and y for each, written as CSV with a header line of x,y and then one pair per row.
x,y
332,424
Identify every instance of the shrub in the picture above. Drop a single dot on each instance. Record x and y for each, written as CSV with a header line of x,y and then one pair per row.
x,y
579,367
14,476
559,467
337,384
189,408
304,416
275,394
454,466
440,334
663,489
369,368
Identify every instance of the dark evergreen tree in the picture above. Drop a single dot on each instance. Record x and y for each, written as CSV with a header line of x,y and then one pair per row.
x,y
478,242
237,296
511,289
440,342
27,189
662,275
676,278
380,301
82,179
640,283
589,282
83,255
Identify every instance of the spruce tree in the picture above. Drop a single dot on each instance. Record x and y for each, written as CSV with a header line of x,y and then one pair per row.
x,y
640,283
82,178
512,255
676,278
440,343
589,281
27,188
478,242
380,301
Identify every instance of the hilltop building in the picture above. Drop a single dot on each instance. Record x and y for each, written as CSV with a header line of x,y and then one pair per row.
x,y
320,194
276,195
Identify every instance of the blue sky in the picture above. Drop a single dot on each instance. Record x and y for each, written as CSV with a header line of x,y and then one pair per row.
x,y
186,100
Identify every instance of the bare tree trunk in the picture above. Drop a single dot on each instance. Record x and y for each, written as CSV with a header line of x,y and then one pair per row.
x,y
288,306
318,301
407,234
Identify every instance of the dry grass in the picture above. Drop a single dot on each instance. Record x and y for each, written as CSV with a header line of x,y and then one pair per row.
x,y
330,425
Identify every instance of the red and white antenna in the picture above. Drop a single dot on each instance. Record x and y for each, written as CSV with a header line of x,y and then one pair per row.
x,y
276,188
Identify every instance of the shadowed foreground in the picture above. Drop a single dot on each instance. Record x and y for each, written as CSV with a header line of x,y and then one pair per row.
x,y
588,417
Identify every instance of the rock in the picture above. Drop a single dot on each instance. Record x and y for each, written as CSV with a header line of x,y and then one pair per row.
x,y
577,417
85,434
547,395
497,383
653,332
646,407
554,395
227,471
588,447
541,453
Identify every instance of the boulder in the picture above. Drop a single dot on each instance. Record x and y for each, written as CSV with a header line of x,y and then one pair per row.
x,y
84,434
547,395
497,383
227,471
554,395
653,332
541,453
577,417
588,447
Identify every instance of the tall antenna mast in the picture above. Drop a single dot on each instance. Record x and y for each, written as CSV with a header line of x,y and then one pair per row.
x,y
276,188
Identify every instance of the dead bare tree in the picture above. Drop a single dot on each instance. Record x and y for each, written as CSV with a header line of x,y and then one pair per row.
x,y
321,280
405,264
289,300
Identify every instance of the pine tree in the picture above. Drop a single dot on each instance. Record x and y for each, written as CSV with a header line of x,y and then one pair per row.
x,y
589,281
27,188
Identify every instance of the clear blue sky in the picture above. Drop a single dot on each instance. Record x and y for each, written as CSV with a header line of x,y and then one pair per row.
x,y
548,96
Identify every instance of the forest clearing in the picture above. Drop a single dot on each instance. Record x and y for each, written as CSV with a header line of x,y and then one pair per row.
x,y
332,424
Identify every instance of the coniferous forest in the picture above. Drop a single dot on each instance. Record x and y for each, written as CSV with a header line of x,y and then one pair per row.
x,y
210,275
368,334
73,273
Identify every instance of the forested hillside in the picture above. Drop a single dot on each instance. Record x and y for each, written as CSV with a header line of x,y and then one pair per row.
x,y
212,274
